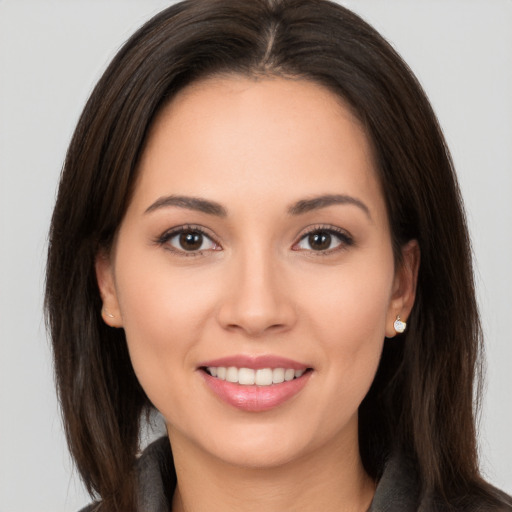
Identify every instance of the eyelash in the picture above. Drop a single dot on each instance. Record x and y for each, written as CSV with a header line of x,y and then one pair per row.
x,y
345,240
343,236
165,238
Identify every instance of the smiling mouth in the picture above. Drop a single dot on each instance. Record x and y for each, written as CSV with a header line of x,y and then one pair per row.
x,y
251,377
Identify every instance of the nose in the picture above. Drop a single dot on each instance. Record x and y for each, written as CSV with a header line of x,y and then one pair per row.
x,y
257,300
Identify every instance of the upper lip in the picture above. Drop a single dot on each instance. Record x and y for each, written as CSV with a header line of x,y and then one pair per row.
x,y
255,362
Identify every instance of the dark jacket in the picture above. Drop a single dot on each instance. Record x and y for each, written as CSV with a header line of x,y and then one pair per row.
x,y
397,490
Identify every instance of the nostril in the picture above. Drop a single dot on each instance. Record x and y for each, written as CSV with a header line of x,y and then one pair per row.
x,y
256,329
256,311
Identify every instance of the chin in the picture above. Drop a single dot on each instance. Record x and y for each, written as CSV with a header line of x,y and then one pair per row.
x,y
267,455
266,443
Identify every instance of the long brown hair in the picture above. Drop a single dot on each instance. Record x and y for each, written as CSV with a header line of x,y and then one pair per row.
x,y
422,399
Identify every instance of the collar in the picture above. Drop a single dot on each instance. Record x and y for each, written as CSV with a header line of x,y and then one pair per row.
x,y
397,490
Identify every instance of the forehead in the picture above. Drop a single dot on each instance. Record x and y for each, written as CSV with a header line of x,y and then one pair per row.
x,y
271,139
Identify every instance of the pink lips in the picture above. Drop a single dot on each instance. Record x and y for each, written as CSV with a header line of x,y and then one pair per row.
x,y
254,398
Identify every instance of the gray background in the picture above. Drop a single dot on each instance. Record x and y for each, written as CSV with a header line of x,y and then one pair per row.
x,y
52,53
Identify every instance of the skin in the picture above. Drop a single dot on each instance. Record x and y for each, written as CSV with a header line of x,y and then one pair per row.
x,y
259,287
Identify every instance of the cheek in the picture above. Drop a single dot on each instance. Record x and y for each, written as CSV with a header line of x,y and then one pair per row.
x,y
348,312
164,313
350,304
156,295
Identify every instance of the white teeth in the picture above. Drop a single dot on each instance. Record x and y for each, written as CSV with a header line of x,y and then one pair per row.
x,y
263,377
278,375
246,376
249,377
232,374
289,374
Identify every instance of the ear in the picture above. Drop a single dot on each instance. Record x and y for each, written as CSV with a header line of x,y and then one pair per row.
x,y
110,311
404,286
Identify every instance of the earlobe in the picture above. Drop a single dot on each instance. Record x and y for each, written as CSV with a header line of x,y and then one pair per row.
x,y
110,311
404,289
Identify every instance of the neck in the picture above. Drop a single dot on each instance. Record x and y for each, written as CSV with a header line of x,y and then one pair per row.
x,y
331,480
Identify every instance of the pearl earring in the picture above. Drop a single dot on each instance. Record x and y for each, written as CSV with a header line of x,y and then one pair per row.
x,y
399,325
106,313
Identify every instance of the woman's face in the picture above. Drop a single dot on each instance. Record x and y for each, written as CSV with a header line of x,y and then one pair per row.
x,y
256,249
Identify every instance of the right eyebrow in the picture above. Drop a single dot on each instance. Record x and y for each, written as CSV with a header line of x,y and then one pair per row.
x,y
189,203
323,201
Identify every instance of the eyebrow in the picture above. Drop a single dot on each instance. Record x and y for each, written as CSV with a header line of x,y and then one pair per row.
x,y
323,201
214,208
189,203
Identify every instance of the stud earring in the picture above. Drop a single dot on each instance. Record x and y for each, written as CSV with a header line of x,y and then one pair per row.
x,y
399,325
106,313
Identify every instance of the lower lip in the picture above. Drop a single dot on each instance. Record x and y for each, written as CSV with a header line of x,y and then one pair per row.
x,y
255,398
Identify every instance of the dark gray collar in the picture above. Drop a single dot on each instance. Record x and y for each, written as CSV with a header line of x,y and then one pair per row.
x,y
397,490
157,478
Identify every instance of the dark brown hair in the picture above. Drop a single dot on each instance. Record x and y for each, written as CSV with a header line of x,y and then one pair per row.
x,y
422,399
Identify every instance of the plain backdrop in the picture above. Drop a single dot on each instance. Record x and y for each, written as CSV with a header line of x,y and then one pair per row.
x,y
52,53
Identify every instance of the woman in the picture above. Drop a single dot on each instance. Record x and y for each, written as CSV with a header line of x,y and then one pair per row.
x,y
259,233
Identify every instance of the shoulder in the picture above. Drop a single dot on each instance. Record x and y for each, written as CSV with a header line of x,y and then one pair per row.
x,y
93,507
400,490
156,479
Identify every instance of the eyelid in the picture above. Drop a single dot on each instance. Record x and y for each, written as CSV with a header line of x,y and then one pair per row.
x,y
343,235
170,233
345,238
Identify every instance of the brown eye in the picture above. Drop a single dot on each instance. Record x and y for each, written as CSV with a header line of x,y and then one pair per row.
x,y
191,240
324,240
320,241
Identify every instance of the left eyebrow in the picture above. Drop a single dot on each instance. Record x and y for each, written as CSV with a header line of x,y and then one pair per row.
x,y
323,201
189,203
